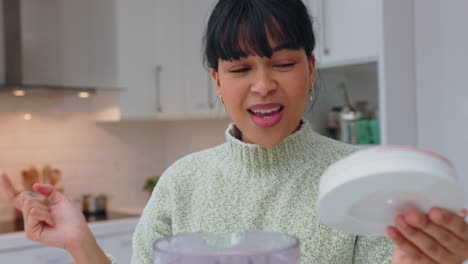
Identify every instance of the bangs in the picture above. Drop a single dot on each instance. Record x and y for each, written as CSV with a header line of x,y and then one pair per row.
x,y
245,28
252,38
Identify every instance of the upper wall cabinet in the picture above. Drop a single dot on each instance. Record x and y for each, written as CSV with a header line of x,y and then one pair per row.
x,y
160,60
347,32
183,84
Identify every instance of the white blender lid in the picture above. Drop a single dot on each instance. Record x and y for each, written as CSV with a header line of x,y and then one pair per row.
x,y
364,192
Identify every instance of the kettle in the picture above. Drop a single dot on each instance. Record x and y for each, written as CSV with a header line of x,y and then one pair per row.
x,y
347,118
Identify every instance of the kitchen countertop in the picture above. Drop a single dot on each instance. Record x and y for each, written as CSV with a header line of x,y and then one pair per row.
x,y
18,226
104,229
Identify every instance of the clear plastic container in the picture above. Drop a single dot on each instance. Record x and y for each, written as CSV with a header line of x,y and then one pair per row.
x,y
242,247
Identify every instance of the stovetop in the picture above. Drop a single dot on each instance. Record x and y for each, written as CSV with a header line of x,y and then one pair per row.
x,y
18,224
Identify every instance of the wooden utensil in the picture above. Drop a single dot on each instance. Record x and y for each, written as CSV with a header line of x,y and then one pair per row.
x,y
30,176
56,180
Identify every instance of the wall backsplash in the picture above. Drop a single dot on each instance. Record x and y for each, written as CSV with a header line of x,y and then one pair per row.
x,y
112,158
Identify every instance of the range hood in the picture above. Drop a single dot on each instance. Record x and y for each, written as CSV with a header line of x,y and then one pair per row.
x,y
14,59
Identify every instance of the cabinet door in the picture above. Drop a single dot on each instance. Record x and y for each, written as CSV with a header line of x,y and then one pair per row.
x,y
348,31
119,246
197,83
136,49
39,255
169,61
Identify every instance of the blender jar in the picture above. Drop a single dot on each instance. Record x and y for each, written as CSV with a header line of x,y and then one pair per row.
x,y
242,247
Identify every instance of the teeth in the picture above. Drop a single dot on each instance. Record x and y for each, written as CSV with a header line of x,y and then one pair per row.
x,y
266,111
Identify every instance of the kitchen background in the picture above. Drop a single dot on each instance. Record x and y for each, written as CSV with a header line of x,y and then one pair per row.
x,y
152,102
164,106
114,158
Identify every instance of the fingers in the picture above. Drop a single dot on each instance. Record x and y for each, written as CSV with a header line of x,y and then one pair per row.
x,y
9,190
410,250
50,192
39,214
444,237
35,214
454,223
439,236
39,203
424,242
36,221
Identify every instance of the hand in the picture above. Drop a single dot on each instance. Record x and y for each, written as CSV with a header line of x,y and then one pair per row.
x,y
50,218
437,237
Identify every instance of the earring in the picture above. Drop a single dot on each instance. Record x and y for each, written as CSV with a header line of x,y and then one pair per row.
x,y
221,99
311,95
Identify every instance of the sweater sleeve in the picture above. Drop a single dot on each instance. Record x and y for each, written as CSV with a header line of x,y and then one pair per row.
x,y
373,250
154,224
112,259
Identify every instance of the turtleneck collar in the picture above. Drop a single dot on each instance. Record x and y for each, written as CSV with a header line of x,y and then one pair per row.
x,y
291,153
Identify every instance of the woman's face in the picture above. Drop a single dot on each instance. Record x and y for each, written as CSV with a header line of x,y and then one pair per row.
x,y
266,97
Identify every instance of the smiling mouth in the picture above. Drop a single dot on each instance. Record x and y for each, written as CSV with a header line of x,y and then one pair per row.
x,y
266,116
266,113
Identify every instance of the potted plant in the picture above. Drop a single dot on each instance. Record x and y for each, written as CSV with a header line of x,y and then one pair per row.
x,y
150,183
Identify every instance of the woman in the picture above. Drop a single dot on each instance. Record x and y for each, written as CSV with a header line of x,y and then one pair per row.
x,y
266,176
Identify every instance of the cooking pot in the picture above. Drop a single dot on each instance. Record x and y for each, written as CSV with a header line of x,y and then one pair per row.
x,y
94,204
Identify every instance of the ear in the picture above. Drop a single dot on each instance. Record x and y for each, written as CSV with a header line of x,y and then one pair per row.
x,y
215,76
312,69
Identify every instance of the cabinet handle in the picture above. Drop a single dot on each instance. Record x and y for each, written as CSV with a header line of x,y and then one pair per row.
x,y
210,91
323,10
158,88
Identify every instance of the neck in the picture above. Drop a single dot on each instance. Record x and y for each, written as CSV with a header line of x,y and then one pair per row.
x,y
239,135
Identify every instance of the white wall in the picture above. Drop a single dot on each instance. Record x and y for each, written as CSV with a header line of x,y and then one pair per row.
x,y
441,40
112,158
94,158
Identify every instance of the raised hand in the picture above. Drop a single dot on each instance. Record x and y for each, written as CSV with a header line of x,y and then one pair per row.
x,y
50,218
437,237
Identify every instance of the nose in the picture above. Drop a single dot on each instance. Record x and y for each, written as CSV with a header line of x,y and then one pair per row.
x,y
264,83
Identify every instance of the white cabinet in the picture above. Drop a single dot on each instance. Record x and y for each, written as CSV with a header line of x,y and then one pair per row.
x,y
135,29
160,61
347,32
199,86
168,66
183,83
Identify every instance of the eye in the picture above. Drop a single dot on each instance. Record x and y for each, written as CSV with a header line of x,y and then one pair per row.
x,y
240,70
285,65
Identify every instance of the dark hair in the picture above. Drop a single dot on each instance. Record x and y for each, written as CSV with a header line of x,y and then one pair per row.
x,y
238,28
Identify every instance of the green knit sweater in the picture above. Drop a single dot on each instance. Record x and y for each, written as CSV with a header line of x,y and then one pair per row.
x,y
239,186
